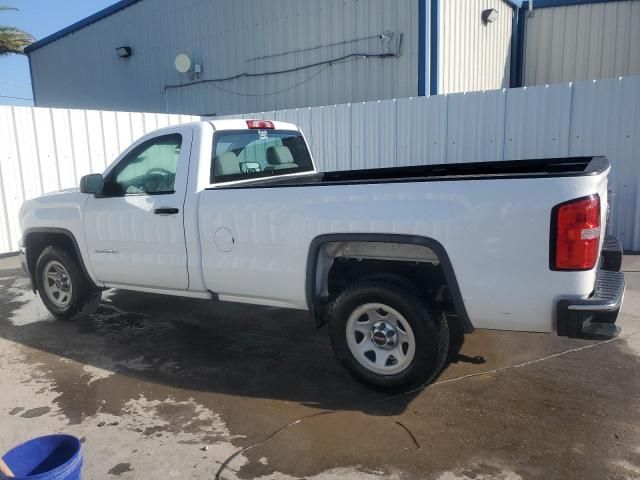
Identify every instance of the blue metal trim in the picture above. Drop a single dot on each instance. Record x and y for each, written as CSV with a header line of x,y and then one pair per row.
x,y
512,4
435,35
513,64
33,87
518,81
422,47
560,3
81,24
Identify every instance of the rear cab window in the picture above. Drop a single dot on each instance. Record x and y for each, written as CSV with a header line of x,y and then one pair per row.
x,y
247,154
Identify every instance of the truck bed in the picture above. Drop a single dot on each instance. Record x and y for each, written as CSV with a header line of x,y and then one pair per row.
x,y
536,168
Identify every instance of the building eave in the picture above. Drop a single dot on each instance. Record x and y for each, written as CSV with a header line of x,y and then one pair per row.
x,y
116,7
561,3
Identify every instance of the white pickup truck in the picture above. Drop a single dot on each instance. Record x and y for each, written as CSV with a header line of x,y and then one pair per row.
x,y
392,259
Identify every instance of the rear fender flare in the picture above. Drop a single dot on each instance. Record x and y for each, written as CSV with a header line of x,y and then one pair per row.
x,y
314,252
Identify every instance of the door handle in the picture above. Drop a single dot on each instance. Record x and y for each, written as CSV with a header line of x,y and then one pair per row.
x,y
166,211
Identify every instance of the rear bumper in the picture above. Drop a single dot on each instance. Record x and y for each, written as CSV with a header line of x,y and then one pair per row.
x,y
595,316
611,254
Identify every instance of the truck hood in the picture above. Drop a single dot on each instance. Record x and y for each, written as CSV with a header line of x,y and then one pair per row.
x,y
60,192
69,199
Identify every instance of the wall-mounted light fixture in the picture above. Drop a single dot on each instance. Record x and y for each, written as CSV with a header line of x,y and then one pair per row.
x,y
124,52
489,15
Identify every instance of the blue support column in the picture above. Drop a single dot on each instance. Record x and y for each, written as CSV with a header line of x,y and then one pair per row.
x,y
422,47
518,81
435,36
33,87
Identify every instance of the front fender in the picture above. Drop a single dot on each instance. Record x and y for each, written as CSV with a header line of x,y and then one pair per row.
x,y
58,214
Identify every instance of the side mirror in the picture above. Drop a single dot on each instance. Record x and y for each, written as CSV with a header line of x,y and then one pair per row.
x,y
92,183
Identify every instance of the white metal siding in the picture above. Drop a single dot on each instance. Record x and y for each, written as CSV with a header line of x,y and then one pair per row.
x,y
473,56
50,149
45,150
586,118
605,120
582,42
537,122
82,70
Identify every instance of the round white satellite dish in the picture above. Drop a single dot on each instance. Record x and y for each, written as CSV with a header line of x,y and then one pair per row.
x,y
183,63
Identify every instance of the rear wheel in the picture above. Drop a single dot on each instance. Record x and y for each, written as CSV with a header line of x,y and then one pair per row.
x,y
387,334
63,287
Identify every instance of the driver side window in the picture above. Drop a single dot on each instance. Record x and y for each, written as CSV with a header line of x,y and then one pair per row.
x,y
149,169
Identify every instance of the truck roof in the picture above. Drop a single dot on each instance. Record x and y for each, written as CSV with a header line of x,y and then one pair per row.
x,y
241,124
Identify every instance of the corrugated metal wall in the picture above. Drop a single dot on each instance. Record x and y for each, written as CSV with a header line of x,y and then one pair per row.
x,y
587,118
50,149
45,150
474,55
582,42
229,37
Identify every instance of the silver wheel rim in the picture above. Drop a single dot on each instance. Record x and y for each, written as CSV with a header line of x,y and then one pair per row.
x,y
380,338
57,284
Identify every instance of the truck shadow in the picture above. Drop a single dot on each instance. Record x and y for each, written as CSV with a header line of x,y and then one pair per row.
x,y
196,345
194,365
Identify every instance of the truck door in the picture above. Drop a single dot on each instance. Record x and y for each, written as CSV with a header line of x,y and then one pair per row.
x,y
134,229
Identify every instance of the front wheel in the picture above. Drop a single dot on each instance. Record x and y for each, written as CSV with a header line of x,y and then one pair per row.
x,y
387,334
63,287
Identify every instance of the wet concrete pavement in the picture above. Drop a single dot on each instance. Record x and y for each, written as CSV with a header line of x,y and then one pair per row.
x,y
161,387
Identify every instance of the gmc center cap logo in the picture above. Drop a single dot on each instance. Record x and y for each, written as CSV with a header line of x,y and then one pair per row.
x,y
379,338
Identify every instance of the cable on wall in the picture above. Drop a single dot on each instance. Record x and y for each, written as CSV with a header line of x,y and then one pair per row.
x,y
385,36
362,55
286,89
288,70
266,94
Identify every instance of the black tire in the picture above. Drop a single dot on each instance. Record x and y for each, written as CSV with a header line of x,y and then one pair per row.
x,y
428,322
85,297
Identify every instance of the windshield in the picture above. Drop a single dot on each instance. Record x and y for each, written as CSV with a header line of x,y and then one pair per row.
x,y
246,154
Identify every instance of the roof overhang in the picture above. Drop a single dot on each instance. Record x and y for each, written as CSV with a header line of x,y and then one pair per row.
x,y
116,7
561,3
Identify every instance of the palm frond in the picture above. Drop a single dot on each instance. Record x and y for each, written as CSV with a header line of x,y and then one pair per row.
x,y
13,40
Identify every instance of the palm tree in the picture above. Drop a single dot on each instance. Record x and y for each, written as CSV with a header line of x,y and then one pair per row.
x,y
12,39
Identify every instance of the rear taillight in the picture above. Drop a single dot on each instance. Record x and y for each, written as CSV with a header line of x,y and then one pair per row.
x,y
265,124
575,234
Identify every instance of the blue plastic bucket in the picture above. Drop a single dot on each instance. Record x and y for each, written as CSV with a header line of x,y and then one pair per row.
x,y
53,457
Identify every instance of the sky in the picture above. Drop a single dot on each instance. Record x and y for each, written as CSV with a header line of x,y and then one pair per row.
x,y
40,18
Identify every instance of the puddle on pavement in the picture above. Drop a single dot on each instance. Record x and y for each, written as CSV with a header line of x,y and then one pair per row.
x,y
19,300
158,377
480,471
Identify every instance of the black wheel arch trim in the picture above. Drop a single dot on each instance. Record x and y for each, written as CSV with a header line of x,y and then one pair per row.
x,y
56,231
438,249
